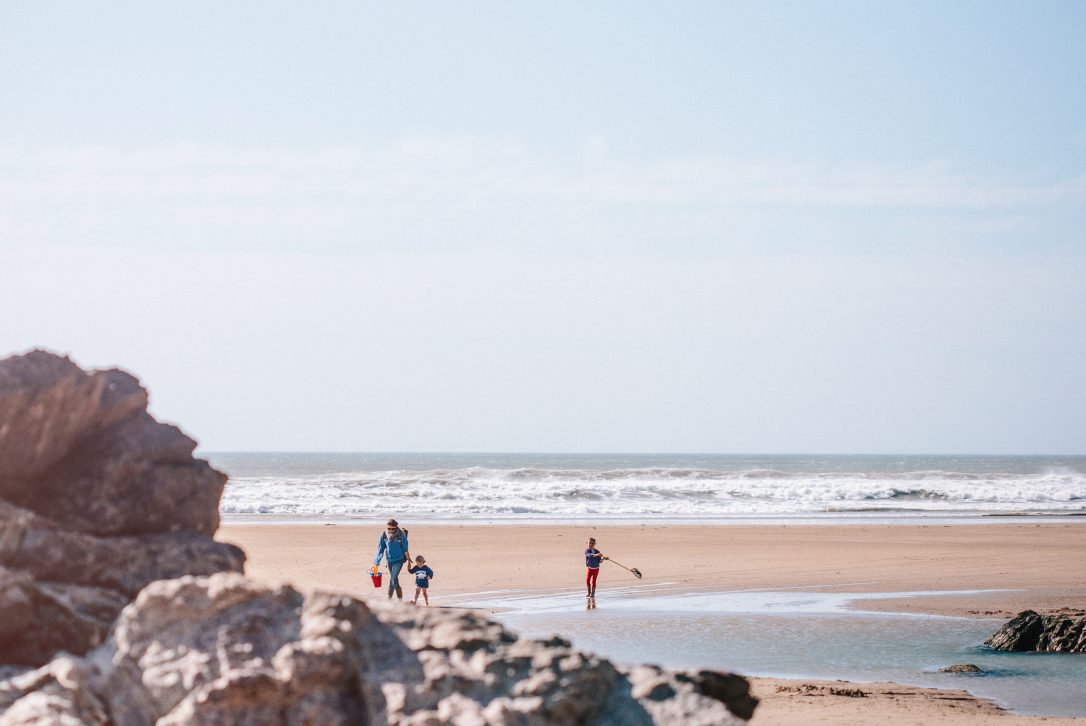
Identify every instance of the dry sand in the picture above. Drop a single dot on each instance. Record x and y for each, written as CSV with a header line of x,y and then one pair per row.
x,y
1039,566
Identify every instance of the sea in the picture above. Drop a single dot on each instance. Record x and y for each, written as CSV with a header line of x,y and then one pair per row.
x,y
640,487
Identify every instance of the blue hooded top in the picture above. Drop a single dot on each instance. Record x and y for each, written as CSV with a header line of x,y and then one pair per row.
x,y
394,548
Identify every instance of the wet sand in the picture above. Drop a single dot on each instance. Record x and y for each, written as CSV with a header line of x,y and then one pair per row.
x,y
838,703
1039,566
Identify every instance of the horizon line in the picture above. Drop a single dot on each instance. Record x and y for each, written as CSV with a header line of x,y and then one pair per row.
x,y
625,453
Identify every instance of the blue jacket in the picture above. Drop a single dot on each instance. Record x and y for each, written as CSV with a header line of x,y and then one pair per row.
x,y
394,549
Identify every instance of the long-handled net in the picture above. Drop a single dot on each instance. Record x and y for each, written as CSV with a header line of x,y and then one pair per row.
x,y
636,572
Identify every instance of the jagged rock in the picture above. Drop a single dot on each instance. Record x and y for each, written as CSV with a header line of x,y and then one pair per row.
x,y
81,449
59,693
125,564
1031,631
147,466
225,650
961,668
40,619
97,499
48,405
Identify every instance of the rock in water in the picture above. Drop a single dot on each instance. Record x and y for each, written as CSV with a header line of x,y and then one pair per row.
x,y
97,499
225,650
1031,631
961,668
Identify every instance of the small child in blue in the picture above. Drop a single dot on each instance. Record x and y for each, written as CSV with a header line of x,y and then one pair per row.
x,y
423,575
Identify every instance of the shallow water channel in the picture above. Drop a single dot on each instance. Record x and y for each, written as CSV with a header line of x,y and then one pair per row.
x,y
798,634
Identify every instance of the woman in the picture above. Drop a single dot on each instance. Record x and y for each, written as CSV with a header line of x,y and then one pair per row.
x,y
393,545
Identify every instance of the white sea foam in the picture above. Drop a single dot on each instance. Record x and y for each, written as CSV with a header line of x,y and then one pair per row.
x,y
662,491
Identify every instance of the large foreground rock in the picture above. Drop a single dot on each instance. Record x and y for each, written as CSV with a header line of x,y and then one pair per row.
x,y
97,499
1031,631
224,650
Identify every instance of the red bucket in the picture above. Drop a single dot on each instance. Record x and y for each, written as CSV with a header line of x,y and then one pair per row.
x,y
376,577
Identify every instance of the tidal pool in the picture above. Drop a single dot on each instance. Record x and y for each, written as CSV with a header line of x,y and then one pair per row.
x,y
797,634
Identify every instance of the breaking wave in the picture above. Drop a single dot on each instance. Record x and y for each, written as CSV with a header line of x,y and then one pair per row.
x,y
688,492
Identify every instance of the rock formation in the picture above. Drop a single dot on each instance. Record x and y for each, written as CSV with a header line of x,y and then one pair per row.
x,y
103,511
1031,631
97,499
225,650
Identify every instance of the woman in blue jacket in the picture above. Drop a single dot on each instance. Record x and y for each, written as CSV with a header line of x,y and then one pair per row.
x,y
393,545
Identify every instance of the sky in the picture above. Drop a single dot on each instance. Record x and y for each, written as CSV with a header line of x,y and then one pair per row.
x,y
842,227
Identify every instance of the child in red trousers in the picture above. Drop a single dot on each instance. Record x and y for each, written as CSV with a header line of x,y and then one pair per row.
x,y
592,559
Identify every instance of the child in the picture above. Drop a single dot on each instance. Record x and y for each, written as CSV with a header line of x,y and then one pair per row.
x,y
592,558
423,575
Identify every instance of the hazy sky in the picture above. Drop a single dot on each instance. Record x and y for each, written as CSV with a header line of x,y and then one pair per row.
x,y
711,227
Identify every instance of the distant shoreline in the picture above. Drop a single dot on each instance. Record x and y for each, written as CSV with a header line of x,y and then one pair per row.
x,y
829,519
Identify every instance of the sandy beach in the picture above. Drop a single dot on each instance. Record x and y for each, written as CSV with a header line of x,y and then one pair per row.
x,y
1032,565
837,703
1018,566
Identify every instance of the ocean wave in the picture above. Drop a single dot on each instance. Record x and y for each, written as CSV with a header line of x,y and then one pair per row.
x,y
682,492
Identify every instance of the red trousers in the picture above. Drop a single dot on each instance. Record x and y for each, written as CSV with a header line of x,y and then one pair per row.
x,y
590,578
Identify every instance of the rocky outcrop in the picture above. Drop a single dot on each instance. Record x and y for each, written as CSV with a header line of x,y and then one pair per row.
x,y
962,668
225,650
97,499
80,449
1031,631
